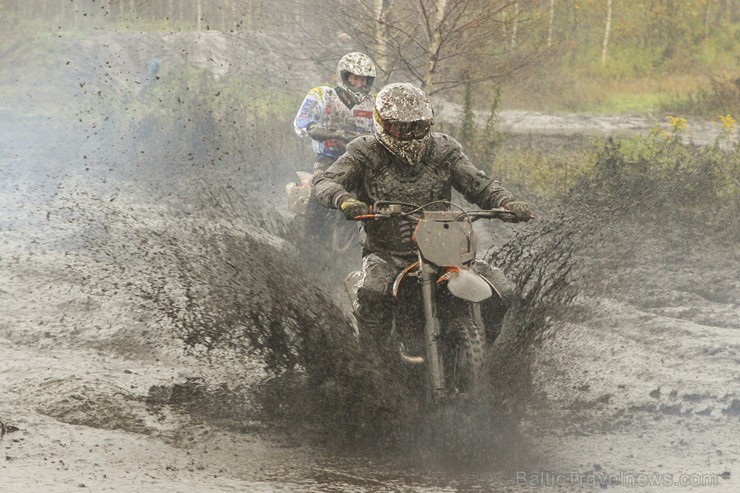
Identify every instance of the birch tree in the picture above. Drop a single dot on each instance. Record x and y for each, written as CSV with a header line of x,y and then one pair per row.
x,y
550,23
380,15
434,34
514,25
607,30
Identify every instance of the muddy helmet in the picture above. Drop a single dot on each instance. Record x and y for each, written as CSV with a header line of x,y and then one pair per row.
x,y
402,120
358,64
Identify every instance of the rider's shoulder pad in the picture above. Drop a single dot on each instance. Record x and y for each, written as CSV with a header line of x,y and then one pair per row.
x,y
444,144
319,92
360,143
367,150
445,141
360,146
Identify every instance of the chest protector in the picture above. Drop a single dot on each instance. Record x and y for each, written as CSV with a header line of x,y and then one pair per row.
x,y
392,179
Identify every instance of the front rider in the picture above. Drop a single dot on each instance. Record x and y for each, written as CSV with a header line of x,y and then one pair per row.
x,y
333,116
402,161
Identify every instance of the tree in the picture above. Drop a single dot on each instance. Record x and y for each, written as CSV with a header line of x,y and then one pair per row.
x,y
435,42
380,17
607,29
514,25
550,22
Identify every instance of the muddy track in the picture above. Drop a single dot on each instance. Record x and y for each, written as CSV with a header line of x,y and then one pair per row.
x,y
98,392
636,381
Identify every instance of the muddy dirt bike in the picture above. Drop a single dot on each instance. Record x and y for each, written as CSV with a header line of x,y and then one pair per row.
x,y
339,234
437,323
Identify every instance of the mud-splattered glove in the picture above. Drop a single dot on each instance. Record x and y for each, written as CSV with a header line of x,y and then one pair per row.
x,y
521,209
352,208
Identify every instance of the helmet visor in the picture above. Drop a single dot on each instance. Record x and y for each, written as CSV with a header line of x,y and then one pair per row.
x,y
406,130
347,78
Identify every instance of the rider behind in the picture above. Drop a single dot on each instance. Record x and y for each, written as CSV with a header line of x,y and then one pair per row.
x,y
402,161
333,116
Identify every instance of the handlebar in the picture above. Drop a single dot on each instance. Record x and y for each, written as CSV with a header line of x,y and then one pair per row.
x,y
388,210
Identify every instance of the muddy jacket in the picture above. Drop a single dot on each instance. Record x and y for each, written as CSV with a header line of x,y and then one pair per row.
x,y
323,106
372,173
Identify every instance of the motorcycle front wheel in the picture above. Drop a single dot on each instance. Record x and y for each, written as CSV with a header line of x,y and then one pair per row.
x,y
467,352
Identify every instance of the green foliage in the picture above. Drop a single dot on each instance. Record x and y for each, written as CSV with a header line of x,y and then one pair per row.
x,y
657,53
627,61
482,144
634,103
660,180
655,179
545,172
719,97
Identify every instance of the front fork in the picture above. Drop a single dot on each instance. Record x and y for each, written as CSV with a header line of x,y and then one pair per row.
x,y
431,333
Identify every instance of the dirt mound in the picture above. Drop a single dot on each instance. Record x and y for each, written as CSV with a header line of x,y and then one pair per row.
x,y
94,403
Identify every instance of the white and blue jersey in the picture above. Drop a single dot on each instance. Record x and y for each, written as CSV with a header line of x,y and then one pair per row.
x,y
323,106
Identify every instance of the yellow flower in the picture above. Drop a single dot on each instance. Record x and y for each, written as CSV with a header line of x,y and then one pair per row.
x,y
677,123
728,122
658,132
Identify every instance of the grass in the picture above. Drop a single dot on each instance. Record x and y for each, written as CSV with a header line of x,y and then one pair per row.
x,y
634,103
588,93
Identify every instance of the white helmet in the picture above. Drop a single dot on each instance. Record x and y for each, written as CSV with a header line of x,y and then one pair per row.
x,y
402,120
358,64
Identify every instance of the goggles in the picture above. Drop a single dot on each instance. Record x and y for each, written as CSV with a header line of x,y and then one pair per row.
x,y
364,89
406,130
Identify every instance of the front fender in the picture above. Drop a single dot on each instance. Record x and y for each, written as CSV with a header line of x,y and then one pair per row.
x,y
467,285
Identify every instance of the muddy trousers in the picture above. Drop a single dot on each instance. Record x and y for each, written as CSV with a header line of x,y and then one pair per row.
x,y
374,305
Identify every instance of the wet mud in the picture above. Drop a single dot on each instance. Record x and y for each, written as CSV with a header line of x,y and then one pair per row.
x,y
162,330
